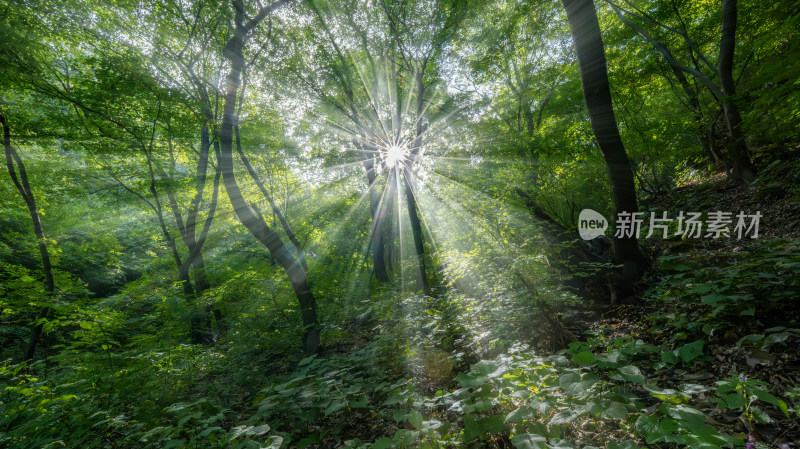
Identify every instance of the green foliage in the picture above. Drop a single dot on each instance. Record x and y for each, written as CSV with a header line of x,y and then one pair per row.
x,y
108,104
334,394
730,289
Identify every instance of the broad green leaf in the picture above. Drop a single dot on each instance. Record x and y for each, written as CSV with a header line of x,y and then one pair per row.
x,y
585,358
565,417
520,414
574,384
691,351
529,441
615,410
629,373
383,443
415,419
474,427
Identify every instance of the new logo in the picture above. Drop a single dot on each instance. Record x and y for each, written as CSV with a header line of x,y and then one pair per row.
x,y
591,224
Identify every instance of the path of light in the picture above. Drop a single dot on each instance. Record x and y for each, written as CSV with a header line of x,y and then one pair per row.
x,y
395,155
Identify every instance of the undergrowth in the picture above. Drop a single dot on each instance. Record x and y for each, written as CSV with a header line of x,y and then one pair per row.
x,y
694,370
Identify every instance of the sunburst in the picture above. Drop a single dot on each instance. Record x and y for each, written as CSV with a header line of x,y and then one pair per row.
x,y
394,155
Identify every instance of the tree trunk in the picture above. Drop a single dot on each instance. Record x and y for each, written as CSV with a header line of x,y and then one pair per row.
x,y
195,259
275,210
737,147
381,210
201,322
256,226
700,127
21,183
377,210
183,269
411,201
416,232
739,154
588,42
391,218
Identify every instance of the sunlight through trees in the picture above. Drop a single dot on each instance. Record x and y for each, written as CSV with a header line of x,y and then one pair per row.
x,y
355,223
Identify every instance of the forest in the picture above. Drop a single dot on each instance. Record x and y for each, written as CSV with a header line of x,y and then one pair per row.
x,y
373,224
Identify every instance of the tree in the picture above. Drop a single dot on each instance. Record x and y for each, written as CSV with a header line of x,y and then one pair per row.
x,y
249,217
77,81
362,109
384,89
589,48
419,34
742,166
724,92
19,176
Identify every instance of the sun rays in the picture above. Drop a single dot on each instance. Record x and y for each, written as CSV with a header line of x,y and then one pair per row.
x,y
395,155
415,157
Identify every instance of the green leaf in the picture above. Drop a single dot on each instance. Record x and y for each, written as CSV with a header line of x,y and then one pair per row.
x,y
668,426
360,401
693,417
764,396
383,443
275,442
735,401
335,406
574,384
655,430
430,426
669,358
783,407
776,338
691,351
615,410
399,415
406,437
258,430
520,414
667,394
488,368
629,373
236,432
307,360
210,430
760,415
314,438
693,388
415,419
565,417
529,441
724,386
468,380
585,358
701,288
474,427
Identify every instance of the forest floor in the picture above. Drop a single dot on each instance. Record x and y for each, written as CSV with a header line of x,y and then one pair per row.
x,y
757,339
776,194
705,357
